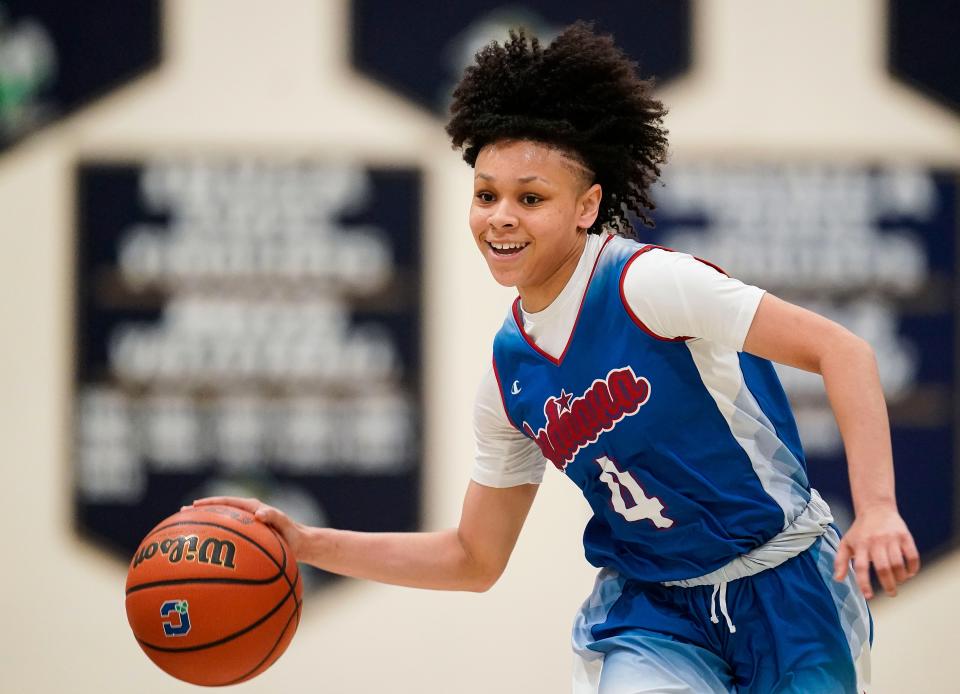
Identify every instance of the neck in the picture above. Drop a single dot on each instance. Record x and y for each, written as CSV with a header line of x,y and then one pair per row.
x,y
537,297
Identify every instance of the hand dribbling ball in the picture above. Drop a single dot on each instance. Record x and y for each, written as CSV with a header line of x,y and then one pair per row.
x,y
213,595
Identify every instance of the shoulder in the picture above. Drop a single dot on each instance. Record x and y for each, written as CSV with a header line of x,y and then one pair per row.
x,y
655,273
488,390
675,296
504,457
490,414
650,263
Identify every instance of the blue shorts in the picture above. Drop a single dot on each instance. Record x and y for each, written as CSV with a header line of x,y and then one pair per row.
x,y
787,629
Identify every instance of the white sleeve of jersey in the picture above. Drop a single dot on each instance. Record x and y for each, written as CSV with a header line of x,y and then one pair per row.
x,y
676,295
504,456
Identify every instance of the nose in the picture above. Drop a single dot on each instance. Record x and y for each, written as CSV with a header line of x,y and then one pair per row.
x,y
502,216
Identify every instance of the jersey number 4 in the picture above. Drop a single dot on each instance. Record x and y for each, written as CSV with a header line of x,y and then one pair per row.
x,y
628,497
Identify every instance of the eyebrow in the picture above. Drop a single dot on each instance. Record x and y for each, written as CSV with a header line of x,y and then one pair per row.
x,y
523,179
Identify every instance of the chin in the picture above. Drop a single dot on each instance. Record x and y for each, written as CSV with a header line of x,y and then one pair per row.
x,y
505,279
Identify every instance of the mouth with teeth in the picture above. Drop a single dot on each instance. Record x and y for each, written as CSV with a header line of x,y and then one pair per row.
x,y
508,248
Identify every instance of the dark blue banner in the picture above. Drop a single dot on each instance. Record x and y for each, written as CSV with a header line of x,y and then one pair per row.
x,y
421,48
57,56
247,327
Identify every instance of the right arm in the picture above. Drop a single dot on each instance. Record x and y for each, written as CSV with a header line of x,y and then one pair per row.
x,y
507,471
470,557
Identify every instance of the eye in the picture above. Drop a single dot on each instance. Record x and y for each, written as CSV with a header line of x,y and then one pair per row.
x,y
484,196
530,199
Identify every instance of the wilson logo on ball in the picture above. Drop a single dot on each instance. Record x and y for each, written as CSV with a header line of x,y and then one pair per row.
x,y
212,550
176,615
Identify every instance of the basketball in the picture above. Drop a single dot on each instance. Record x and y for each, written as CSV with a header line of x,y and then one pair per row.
x,y
213,595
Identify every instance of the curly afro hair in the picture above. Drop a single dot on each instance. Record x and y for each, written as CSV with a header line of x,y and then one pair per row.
x,y
581,94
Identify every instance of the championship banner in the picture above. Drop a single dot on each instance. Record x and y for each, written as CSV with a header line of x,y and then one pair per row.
x,y
247,327
873,249
57,56
420,49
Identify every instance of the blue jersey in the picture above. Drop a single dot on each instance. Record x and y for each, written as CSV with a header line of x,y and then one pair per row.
x,y
686,451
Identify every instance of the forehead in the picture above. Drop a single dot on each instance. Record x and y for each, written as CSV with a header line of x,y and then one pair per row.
x,y
525,158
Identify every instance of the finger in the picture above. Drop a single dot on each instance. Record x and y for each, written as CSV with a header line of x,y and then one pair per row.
x,y
881,564
897,563
250,505
841,564
861,567
911,554
273,516
270,517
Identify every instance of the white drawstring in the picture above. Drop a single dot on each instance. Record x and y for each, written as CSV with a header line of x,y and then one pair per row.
x,y
721,588
713,606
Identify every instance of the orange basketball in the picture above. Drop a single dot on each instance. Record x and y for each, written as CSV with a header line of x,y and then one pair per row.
x,y
213,595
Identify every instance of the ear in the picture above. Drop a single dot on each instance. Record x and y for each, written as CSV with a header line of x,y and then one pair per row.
x,y
588,206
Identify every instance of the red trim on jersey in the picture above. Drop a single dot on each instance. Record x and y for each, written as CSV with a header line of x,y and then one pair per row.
x,y
626,304
707,262
519,319
503,398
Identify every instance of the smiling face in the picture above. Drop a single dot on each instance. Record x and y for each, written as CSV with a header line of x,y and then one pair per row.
x,y
530,205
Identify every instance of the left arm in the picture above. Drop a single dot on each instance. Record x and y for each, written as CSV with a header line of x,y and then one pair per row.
x,y
791,335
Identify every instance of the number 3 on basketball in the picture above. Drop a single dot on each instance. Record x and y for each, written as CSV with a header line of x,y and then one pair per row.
x,y
643,506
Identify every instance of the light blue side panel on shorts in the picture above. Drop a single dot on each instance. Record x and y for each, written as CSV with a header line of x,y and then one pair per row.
x,y
607,589
851,607
636,661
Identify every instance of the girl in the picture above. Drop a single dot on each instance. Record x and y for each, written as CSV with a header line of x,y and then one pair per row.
x,y
645,376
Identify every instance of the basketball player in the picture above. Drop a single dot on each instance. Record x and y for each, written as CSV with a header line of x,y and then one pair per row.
x,y
645,376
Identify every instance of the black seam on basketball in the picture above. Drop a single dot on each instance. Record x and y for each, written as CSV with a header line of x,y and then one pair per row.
x,y
283,549
299,602
296,578
225,639
187,581
295,613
